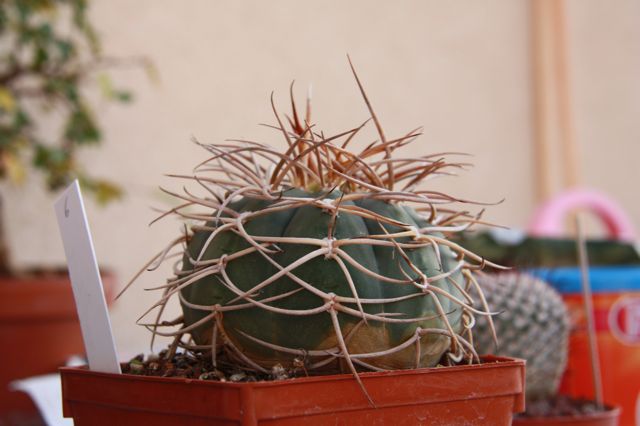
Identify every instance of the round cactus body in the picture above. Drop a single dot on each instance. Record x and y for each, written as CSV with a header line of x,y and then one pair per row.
x,y
321,257
317,259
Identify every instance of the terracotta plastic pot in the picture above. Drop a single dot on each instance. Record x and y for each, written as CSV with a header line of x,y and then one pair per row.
x,y
39,331
610,417
483,394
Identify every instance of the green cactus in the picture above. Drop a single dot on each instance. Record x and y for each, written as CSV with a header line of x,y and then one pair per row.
x,y
324,256
533,324
327,264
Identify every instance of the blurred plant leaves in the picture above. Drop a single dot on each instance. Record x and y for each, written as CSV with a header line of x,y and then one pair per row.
x,y
49,53
13,167
7,102
81,127
109,92
151,70
103,190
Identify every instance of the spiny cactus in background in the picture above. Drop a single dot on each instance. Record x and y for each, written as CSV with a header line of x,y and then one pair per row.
x,y
321,255
532,323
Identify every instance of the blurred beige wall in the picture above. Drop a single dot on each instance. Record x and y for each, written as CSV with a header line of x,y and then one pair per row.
x,y
459,68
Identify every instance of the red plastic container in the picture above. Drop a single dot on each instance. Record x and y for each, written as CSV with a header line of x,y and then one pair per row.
x,y
619,348
616,305
616,300
39,331
485,394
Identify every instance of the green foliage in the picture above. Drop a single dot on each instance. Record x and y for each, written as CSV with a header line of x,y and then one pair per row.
x,y
49,52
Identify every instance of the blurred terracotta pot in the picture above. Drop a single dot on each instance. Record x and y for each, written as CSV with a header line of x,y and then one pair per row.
x,y
39,331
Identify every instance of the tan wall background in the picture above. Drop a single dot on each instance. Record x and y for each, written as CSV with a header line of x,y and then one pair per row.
x,y
459,68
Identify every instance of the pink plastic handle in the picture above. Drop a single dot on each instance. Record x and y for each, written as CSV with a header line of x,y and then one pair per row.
x,y
548,220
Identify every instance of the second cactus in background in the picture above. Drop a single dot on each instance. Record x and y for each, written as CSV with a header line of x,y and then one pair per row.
x,y
532,324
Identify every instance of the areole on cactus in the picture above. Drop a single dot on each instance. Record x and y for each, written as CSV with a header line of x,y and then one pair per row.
x,y
313,256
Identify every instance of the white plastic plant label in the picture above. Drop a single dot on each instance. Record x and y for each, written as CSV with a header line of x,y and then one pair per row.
x,y
85,280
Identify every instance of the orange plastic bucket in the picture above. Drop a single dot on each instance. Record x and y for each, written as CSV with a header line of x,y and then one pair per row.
x,y
616,301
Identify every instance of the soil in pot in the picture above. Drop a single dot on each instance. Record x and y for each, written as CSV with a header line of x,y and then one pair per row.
x,y
194,365
198,366
565,410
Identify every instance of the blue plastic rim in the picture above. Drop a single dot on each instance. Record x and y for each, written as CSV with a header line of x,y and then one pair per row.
x,y
604,279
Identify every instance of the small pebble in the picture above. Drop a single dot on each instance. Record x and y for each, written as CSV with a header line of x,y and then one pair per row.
x,y
278,372
238,377
136,367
